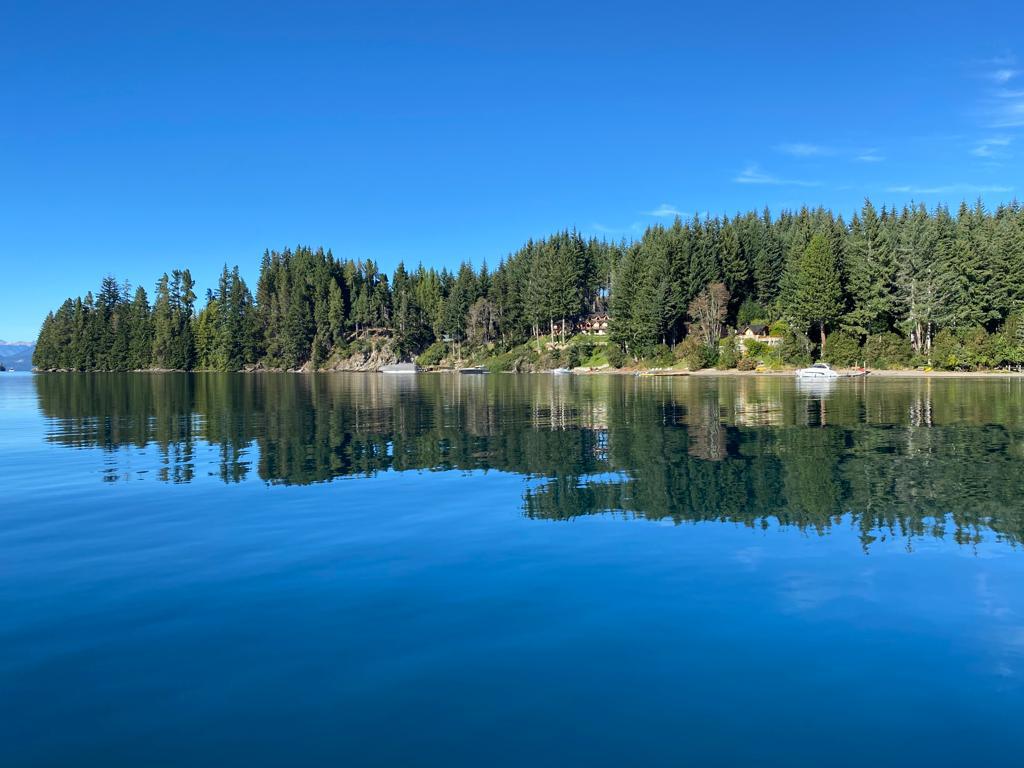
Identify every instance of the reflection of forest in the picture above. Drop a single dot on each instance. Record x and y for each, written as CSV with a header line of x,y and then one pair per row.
x,y
912,456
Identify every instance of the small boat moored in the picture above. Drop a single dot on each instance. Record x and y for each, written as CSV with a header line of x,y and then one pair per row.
x,y
560,372
400,368
817,371
473,369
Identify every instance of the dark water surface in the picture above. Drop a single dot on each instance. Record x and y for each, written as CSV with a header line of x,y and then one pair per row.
x,y
509,570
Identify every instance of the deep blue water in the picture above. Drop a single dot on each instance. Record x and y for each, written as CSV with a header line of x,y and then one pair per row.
x,y
514,570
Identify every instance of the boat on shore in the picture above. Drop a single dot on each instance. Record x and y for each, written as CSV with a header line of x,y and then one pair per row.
x,y
824,371
560,372
474,369
400,368
817,371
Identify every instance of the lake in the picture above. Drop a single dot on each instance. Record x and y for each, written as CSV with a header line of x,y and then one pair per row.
x,y
359,569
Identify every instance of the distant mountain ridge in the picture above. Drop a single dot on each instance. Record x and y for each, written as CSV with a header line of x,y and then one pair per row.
x,y
17,354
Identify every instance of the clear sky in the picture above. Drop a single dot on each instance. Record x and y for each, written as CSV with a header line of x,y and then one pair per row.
x,y
137,137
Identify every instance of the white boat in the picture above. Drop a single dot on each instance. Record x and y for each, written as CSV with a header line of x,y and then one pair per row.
x,y
560,371
817,371
400,368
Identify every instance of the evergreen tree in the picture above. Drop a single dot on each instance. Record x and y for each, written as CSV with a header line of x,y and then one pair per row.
x,y
769,261
917,287
735,269
816,292
966,297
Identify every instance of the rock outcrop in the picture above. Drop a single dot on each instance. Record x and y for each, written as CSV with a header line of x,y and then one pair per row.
x,y
372,357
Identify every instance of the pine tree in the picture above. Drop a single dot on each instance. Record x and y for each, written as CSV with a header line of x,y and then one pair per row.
x,y
769,262
1006,234
917,287
816,291
631,326
44,354
966,297
735,270
871,268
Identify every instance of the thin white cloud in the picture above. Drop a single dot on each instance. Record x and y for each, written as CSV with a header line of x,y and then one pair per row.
x,y
993,147
800,149
666,211
753,174
869,156
1006,60
1008,111
636,226
945,189
997,69
807,150
1003,105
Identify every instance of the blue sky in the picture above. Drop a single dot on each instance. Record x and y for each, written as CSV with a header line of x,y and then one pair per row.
x,y
139,137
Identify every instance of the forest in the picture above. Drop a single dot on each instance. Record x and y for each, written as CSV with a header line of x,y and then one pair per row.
x,y
888,288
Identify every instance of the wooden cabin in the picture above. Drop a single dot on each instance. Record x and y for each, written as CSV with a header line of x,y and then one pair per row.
x,y
595,324
756,332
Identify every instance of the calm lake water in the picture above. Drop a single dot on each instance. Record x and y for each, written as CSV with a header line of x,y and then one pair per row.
x,y
510,570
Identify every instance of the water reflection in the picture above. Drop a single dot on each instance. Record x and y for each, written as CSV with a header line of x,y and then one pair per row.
x,y
914,457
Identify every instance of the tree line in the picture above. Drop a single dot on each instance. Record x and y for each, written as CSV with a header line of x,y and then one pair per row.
x,y
904,286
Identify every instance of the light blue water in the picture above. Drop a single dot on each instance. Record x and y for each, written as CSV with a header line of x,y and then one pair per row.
x,y
347,570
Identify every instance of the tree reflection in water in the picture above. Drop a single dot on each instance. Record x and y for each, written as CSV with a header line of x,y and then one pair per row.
x,y
909,457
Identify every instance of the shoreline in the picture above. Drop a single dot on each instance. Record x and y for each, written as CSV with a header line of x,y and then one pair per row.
x,y
653,373
896,373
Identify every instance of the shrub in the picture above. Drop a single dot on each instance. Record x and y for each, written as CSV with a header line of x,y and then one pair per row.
x,y
522,358
728,353
551,358
760,353
756,349
688,350
979,349
841,349
795,348
616,357
573,356
433,355
586,347
696,354
1012,343
710,356
1006,347
662,355
965,350
746,364
504,362
887,350
920,361
947,351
